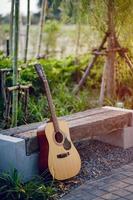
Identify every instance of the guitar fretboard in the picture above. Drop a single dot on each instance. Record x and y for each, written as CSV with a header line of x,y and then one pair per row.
x,y
51,105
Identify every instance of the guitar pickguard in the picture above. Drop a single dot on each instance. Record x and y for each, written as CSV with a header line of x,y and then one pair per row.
x,y
67,144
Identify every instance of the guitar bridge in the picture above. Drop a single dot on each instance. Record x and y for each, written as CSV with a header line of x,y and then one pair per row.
x,y
63,155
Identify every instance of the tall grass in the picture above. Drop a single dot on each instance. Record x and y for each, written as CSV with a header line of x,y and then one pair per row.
x,y
12,188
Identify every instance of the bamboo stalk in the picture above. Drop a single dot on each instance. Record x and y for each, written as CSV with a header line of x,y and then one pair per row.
x,y
27,31
15,64
42,21
11,27
78,39
22,35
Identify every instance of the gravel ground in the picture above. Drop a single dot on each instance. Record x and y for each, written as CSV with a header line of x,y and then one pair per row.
x,y
98,160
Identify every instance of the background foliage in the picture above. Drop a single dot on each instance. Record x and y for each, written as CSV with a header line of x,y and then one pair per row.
x,y
82,22
62,76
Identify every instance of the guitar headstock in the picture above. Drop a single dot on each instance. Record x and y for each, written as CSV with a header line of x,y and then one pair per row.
x,y
40,71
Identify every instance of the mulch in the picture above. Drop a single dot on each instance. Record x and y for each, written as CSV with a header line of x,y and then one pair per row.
x,y
98,160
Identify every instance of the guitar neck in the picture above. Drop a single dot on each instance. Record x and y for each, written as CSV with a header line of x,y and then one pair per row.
x,y
51,106
49,97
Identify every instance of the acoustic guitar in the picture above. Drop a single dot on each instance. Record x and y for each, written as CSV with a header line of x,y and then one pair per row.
x,y
57,152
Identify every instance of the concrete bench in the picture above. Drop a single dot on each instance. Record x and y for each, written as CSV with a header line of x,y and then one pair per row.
x,y
19,147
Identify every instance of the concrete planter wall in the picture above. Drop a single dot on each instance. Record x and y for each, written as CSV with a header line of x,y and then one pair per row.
x,y
13,155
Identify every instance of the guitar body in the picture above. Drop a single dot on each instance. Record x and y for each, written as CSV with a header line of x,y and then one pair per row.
x,y
62,164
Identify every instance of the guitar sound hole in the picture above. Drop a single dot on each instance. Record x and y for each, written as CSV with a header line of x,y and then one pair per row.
x,y
58,137
67,144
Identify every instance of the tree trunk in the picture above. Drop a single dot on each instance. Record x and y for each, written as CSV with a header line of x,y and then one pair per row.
x,y
11,27
78,39
111,54
15,64
22,36
42,21
103,85
27,31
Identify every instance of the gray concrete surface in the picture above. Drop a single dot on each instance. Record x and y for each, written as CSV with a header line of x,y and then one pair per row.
x,y
117,186
121,138
13,155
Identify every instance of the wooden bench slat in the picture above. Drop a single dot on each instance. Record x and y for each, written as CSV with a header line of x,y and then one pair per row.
x,y
33,126
95,118
84,114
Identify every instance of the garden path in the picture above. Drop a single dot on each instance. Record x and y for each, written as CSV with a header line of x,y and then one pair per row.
x,y
117,186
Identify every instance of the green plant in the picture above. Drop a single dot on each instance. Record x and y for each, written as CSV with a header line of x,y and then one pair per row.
x,y
38,109
62,76
12,188
37,190
52,29
5,62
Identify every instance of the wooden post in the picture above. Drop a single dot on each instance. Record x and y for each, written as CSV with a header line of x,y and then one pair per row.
x,y
124,55
7,48
18,89
111,54
42,21
26,102
15,64
90,65
103,85
3,75
8,107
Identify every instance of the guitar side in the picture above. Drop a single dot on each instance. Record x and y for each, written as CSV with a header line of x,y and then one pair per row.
x,y
61,167
43,151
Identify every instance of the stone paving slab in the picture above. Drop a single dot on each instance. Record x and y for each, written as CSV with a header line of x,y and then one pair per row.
x,y
118,186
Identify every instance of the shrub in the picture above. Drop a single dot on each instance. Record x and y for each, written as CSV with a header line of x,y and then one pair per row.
x,y
62,76
12,188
